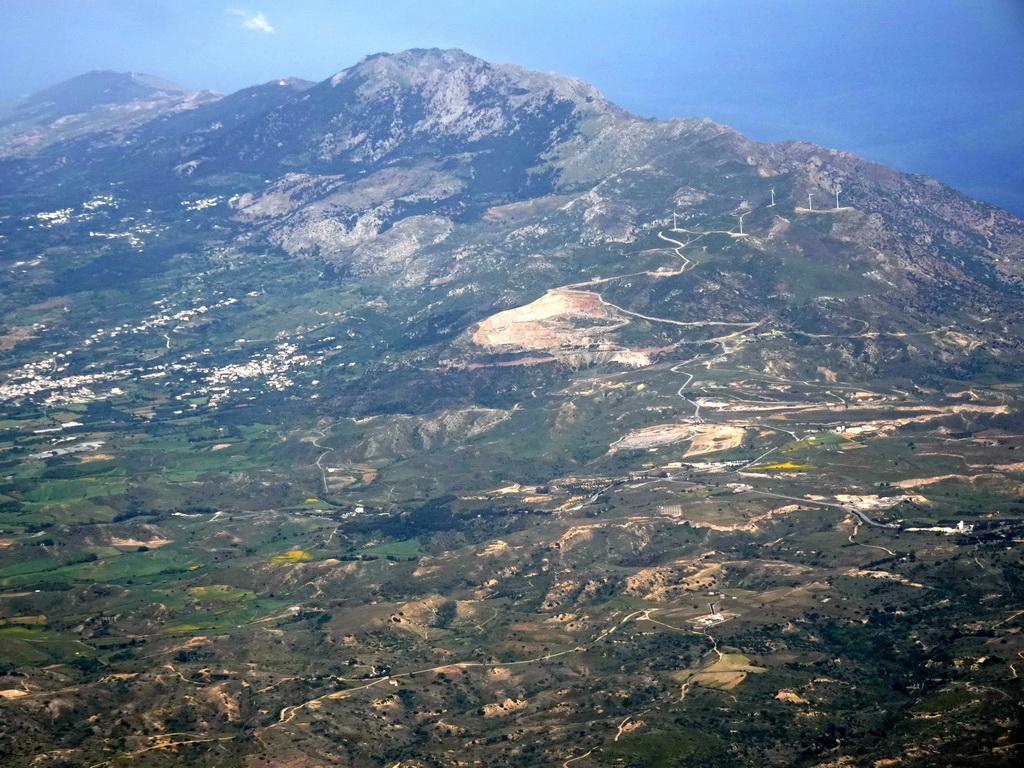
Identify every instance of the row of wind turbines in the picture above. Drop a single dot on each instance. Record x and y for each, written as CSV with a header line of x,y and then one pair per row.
x,y
810,202
808,209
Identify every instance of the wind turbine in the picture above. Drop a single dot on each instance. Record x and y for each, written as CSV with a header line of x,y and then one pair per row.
x,y
773,199
837,199
810,205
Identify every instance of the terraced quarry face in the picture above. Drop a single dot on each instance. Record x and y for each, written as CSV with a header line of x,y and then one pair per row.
x,y
327,441
562,319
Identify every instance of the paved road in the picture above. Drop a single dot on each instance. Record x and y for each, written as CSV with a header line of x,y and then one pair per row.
x,y
845,507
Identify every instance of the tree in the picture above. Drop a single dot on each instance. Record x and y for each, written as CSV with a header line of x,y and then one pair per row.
x,y
446,613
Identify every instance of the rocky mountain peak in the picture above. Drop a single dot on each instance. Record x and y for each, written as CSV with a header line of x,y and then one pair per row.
x,y
452,82
413,107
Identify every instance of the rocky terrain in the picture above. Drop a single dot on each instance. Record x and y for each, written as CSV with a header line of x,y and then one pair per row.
x,y
445,413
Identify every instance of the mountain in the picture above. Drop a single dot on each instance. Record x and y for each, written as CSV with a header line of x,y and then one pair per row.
x,y
387,109
416,104
443,412
87,105
87,93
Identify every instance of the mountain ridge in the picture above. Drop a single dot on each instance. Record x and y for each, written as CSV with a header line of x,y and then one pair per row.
x,y
389,161
86,92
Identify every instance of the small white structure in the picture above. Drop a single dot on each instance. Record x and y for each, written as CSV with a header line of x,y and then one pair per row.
x,y
960,527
